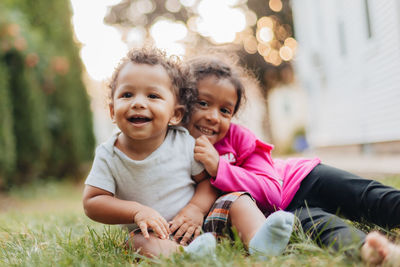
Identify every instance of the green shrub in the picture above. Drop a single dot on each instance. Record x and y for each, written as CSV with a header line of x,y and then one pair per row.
x,y
7,142
29,113
48,127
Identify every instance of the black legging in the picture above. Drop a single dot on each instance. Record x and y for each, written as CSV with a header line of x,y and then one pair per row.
x,y
328,191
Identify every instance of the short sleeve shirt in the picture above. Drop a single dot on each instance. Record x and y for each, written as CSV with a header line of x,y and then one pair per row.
x,y
161,181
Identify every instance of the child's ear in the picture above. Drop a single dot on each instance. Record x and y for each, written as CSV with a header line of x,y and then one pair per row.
x,y
178,115
111,107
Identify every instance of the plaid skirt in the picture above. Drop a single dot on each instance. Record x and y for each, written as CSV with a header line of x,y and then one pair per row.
x,y
216,221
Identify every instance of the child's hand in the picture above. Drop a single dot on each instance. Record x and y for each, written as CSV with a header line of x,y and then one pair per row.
x,y
147,217
205,152
186,223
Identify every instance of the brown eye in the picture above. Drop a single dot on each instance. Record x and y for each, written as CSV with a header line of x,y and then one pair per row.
x,y
202,103
153,96
127,95
226,111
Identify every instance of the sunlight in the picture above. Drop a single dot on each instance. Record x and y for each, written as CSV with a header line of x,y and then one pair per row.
x,y
275,5
173,6
286,53
188,3
167,34
265,34
219,21
103,54
135,36
102,47
143,6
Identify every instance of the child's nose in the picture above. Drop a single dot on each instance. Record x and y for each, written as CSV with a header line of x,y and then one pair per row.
x,y
138,102
213,115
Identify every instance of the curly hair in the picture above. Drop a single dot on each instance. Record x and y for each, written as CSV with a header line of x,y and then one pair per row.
x,y
152,56
204,66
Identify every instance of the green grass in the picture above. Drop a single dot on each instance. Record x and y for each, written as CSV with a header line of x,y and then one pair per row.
x,y
44,225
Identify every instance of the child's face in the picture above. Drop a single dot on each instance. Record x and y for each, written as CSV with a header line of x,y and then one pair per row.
x,y
143,103
214,109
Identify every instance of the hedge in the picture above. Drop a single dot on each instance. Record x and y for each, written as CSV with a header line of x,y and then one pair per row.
x,y
47,123
7,141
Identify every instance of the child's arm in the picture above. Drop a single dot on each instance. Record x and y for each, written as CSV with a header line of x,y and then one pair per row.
x,y
255,174
102,206
205,153
189,220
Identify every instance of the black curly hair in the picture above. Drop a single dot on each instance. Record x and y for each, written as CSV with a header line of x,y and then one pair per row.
x,y
205,66
152,56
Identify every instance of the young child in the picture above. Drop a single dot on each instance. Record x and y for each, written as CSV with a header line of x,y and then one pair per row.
x,y
238,161
142,176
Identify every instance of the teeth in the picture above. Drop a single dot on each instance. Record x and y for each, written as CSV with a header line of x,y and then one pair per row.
x,y
206,131
138,118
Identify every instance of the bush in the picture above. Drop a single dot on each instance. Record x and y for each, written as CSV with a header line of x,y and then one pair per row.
x,y
29,113
7,142
46,122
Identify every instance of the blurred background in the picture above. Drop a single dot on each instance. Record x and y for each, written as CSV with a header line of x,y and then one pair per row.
x,y
329,75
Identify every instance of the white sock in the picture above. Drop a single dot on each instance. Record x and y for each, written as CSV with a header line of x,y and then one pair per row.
x,y
202,246
273,236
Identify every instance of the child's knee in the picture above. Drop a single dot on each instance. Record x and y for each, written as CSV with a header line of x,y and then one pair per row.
x,y
242,202
152,246
143,246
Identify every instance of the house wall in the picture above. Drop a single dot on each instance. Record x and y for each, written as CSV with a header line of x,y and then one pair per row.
x,y
287,109
350,67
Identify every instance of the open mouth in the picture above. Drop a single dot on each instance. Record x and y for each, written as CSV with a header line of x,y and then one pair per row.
x,y
205,131
139,119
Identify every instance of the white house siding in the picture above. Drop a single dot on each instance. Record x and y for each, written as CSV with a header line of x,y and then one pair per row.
x,y
353,80
287,109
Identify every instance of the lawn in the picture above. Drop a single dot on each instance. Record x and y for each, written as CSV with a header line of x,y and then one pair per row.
x,y
44,225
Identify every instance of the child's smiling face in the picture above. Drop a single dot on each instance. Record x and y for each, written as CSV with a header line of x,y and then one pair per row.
x,y
143,102
214,109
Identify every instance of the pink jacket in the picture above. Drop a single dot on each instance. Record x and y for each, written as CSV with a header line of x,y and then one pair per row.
x,y
246,165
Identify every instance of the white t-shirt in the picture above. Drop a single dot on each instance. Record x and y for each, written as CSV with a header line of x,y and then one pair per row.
x,y
162,181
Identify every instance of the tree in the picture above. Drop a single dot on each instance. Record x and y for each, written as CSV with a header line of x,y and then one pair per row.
x,y
265,44
45,113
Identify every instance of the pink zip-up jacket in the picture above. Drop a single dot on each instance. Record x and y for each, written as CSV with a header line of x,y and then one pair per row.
x,y
245,164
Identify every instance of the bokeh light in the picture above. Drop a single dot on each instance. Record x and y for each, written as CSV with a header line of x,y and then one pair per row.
x,y
188,3
265,34
102,47
250,45
286,53
192,23
219,21
265,22
167,34
292,43
275,5
144,6
135,36
173,6
273,58
251,18
263,49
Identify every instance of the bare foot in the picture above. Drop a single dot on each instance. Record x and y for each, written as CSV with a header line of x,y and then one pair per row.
x,y
378,250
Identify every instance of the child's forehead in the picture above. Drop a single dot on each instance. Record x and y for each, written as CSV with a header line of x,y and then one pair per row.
x,y
140,68
145,73
215,80
142,74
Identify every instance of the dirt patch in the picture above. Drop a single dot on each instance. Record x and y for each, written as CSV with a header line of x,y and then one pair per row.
x,y
7,203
